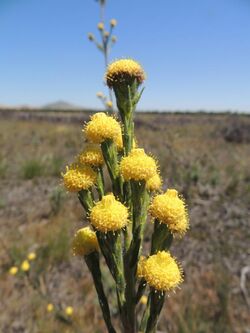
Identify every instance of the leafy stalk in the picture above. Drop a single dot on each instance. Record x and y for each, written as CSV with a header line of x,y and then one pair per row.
x,y
111,159
93,262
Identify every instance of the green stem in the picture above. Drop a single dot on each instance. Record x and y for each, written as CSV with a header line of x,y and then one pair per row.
x,y
93,263
161,239
140,201
111,248
85,197
153,310
111,159
100,182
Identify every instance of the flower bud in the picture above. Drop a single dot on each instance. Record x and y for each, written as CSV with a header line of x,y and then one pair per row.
x,y
69,311
100,94
84,242
91,36
13,270
109,104
50,307
100,26
25,266
113,23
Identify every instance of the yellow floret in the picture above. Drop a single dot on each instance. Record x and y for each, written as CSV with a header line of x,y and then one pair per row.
x,y
92,155
100,26
25,266
69,310
109,104
143,300
99,94
154,183
84,242
102,127
168,208
50,307
79,177
113,22
138,166
162,272
13,270
109,214
124,71
31,256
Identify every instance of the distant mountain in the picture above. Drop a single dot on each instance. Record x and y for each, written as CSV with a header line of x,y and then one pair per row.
x,y
61,105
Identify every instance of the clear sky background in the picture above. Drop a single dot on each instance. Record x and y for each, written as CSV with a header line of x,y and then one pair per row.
x,y
196,52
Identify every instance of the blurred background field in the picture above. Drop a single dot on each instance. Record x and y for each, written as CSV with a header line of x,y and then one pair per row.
x,y
206,156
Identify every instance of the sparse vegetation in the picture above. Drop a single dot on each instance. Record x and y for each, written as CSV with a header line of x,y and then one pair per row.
x,y
32,168
38,214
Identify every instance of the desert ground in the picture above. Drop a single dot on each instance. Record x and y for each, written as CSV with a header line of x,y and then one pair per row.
x,y
205,156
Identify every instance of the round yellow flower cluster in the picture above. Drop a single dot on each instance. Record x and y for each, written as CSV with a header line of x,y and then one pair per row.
x,y
168,208
154,183
84,242
25,266
102,127
124,71
69,311
79,177
109,214
138,166
13,270
160,271
92,156
109,104
100,26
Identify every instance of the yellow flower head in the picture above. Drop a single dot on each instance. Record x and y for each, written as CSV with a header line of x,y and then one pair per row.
x,y
106,34
162,272
124,71
84,242
92,155
114,39
154,183
69,310
25,266
50,307
138,166
13,270
102,127
109,214
99,94
31,256
100,26
170,209
143,300
109,104
113,22
79,177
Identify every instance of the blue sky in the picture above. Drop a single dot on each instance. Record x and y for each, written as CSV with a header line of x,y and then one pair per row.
x,y
196,53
